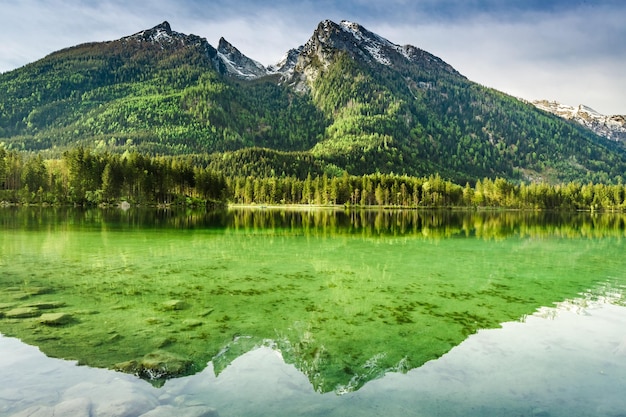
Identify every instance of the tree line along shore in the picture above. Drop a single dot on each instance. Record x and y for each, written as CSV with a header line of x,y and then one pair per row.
x,y
83,177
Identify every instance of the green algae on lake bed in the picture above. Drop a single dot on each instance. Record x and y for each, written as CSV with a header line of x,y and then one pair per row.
x,y
344,301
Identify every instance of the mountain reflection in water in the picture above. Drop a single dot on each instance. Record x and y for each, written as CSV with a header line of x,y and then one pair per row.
x,y
344,296
563,361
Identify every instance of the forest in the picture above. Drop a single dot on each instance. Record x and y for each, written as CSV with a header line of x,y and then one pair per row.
x,y
416,119
153,124
84,177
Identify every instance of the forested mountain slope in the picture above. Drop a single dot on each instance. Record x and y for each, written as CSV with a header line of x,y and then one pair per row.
x,y
347,100
157,92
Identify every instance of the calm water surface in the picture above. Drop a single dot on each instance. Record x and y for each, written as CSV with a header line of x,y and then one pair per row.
x,y
274,312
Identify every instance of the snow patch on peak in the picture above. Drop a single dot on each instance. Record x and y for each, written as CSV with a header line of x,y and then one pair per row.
x,y
589,110
164,26
238,64
304,65
163,35
287,63
159,33
378,47
377,54
350,25
611,127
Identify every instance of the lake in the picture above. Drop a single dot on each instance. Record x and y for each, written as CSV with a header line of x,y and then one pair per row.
x,y
320,312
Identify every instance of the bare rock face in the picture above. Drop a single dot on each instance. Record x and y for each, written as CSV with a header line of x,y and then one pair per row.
x,y
237,64
301,67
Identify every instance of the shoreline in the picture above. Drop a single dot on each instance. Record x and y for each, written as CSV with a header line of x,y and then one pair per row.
x,y
123,205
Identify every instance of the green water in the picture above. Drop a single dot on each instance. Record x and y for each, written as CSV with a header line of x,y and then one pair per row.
x,y
345,297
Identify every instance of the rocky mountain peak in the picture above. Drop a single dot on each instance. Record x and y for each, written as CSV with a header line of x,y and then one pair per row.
x,y
361,45
226,47
226,58
320,50
160,33
347,37
611,127
164,27
288,62
237,64
300,65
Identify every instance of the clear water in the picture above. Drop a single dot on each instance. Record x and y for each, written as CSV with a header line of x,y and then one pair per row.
x,y
261,312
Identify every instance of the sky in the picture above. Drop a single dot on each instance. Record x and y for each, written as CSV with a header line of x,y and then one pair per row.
x,y
571,51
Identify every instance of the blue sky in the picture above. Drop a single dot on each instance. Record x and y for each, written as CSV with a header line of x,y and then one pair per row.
x,y
571,51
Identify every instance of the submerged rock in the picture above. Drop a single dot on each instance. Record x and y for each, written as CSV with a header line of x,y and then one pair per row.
x,y
154,320
166,342
115,337
168,410
128,367
46,305
20,296
55,319
156,365
73,407
174,305
162,364
25,293
119,399
22,313
37,290
620,350
191,323
77,407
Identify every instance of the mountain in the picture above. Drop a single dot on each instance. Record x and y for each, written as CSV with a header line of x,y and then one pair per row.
x,y
402,109
287,64
237,64
360,45
163,37
226,58
611,127
346,100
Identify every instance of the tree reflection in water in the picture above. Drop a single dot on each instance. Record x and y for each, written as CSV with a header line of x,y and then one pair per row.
x,y
346,296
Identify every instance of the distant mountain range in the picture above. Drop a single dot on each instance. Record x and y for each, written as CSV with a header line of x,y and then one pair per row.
x,y
346,100
611,127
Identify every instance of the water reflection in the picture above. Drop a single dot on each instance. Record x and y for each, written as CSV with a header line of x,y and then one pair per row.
x,y
562,361
345,296
436,224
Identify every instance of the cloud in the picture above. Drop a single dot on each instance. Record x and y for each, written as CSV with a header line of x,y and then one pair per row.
x,y
570,51
573,56
39,27
264,37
